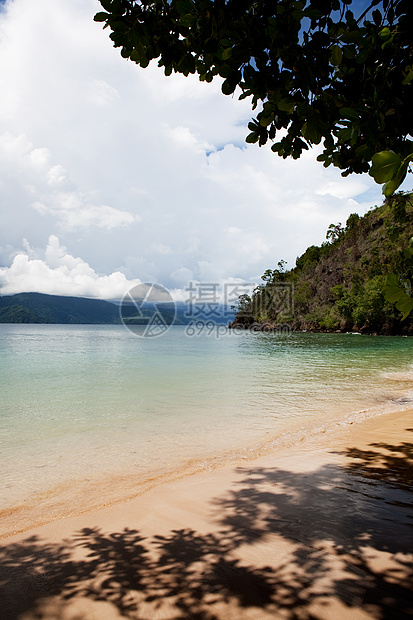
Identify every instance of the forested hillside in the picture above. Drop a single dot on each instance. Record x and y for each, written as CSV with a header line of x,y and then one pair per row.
x,y
40,308
338,286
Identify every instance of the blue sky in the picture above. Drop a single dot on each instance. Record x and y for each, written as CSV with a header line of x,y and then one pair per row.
x,y
111,174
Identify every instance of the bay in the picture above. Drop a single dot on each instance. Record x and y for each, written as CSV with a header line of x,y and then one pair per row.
x,y
92,415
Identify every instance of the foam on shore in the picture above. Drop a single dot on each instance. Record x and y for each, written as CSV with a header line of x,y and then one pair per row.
x,y
90,493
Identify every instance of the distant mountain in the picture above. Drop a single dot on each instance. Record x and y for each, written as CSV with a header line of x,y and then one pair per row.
x,y
40,308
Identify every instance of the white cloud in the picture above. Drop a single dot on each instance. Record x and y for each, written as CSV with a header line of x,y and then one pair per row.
x,y
100,93
60,273
73,211
183,137
46,186
137,173
181,277
352,187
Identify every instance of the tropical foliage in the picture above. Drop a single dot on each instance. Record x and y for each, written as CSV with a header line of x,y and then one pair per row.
x,y
343,285
40,308
315,71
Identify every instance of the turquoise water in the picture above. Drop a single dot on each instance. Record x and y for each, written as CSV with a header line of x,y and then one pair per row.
x,y
90,415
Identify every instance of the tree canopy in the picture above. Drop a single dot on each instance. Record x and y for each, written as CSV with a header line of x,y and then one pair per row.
x,y
315,71
343,285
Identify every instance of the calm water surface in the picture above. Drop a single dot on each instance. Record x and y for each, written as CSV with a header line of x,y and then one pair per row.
x,y
90,415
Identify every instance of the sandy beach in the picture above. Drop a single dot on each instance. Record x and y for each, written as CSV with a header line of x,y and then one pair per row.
x,y
321,531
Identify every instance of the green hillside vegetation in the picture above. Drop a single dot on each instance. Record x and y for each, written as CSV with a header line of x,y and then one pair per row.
x,y
40,308
55,309
338,286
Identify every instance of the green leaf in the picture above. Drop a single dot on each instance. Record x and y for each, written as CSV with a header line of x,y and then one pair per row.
x,y
390,187
393,280
392,293
120,27
107,5
227,53
351,36
187,20
349,113
224,71
405,306
362,57
286,105
395,293
345,134
385,33
252,138
311,13
336,55
387,43
385,166
349,51
113,6
408,78
398,178
228,87
101,17
376,17
310,132
277,147
266,120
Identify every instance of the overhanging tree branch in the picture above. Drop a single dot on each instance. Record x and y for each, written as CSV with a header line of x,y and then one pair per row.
x,y
314,77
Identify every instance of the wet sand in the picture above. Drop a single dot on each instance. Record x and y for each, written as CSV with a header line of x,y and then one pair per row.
x,y
320,531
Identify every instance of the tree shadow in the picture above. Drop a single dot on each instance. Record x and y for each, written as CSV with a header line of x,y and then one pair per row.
x,y
388,464
341,533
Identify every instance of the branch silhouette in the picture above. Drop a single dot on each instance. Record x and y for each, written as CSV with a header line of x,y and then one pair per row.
x,y
332,519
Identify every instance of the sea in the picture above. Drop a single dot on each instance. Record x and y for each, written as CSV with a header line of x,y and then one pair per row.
x,y
95,415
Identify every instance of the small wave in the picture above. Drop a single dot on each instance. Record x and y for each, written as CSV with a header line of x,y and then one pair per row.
x,y
102,491
399,376
403,400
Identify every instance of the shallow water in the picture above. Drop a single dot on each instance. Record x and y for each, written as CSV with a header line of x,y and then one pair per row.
x,y
90,415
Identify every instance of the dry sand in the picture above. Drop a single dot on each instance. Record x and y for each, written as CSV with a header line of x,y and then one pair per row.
x,y
320,531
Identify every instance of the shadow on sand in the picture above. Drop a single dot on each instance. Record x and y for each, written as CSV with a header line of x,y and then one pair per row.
x,y
341,533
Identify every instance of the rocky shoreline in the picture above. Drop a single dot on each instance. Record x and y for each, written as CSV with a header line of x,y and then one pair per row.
x,y
297,326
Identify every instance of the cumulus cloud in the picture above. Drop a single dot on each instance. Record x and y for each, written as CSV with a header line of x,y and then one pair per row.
x,y
140,175
184,138
48,189
60,273
73,211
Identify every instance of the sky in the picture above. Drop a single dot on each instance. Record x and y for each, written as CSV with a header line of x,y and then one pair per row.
x,y
111,175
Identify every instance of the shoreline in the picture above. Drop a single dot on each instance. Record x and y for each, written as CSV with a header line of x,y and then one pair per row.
x,y
90,429
97,493
312,328
321,529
